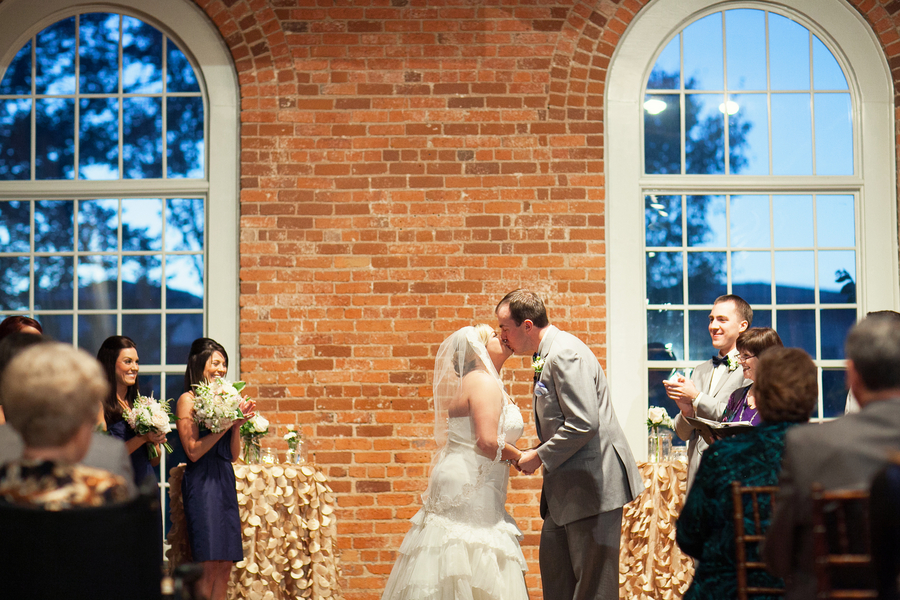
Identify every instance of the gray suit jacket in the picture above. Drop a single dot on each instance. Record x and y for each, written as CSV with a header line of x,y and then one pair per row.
x,y
588,465
106,452
708,406
845,453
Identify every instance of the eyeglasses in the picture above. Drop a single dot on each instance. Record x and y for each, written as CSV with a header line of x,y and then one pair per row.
x,y
745,357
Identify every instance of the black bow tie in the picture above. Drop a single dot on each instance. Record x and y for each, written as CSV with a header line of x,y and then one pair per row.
x,y
719,360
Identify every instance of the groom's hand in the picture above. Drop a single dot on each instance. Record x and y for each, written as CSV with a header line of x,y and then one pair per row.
x,y
529,462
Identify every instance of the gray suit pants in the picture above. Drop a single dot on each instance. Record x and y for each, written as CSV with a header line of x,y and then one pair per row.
x,y
580,561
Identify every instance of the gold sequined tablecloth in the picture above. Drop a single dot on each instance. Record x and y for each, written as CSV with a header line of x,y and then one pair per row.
x,y
651,566
289,533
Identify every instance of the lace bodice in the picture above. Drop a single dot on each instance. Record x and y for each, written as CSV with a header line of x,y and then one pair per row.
x,y
462,429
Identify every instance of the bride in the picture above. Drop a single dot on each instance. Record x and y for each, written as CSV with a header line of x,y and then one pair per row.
x,y
463,544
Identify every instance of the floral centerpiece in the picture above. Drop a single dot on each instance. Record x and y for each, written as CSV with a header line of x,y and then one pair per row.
x,y
658,417
251,433
148,415
217,404
660,443
295,446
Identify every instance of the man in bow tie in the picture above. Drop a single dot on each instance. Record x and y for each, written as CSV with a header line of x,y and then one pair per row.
x,y
589,471
706,393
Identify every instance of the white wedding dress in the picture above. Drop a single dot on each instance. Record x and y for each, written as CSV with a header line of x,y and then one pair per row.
x,y
466,548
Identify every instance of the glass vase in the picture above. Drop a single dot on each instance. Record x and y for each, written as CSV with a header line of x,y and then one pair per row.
x,y
659,445
252,452
296,455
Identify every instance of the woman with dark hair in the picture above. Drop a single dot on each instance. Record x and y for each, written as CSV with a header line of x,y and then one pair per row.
x,y
19,324
750,344
787,391
208,486
119,357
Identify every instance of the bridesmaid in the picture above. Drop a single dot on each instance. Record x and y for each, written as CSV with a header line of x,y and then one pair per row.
x,y
208,486
119,357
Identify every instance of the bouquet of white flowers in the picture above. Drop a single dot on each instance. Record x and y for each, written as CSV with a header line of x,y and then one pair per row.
x,y
146,415
217,404
251,432
658,417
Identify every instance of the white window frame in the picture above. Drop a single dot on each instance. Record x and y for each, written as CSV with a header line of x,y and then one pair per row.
x,y
859,53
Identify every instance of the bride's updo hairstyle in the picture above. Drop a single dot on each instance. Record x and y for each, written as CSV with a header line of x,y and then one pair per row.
x,y
201,350
464,351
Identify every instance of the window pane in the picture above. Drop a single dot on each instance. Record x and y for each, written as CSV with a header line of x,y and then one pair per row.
x,y
58,327
749,221
837,276
827,73
762,318
55,58
706,277
145,330
15,131
662,134
835,222
54,225
148,384
834,134
93,329
184,137
797,328
141,282
15,226
698,330
788,54
98,225
180,75
748,134
657,396
745,46
751,276
98,53
665,334
16,282
175,382
834,392
793,221
184,281
181,331
706,224
794,277
142,144
97,283
54,139
704,121
835,325
142,224
53,283
703,54
791,134
184,224
98,141
141,57
17,79
663,221
665,278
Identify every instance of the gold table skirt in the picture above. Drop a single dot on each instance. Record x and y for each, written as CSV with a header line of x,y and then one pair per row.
x,y
288,530
651,566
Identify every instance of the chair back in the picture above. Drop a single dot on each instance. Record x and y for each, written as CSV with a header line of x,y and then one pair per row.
x,y
108,552
841,545
759,514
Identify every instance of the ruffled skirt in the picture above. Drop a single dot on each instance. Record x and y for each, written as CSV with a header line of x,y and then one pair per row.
x,y
445,559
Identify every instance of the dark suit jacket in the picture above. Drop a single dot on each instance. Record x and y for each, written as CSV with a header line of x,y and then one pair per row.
x,y
106,453
842,454
588,465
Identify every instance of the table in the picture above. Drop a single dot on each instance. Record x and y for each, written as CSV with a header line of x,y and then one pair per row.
x,y
289,533
651,566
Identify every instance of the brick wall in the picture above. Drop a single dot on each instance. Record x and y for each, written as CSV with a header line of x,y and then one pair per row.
x,y
404,164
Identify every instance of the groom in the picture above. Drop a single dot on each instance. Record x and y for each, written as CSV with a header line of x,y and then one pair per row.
x,y
589,471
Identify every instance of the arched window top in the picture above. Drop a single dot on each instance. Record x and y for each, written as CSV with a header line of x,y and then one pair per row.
x,y
747,91
100,96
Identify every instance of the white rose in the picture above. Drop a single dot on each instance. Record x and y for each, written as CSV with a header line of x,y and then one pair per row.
x,y
260,423
656,414
160,421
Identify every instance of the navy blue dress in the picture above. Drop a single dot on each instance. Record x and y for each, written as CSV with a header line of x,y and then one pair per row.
x,y
211,506
140,460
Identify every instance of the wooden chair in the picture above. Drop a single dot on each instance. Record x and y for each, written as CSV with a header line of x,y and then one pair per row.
x,y
742,539
841,543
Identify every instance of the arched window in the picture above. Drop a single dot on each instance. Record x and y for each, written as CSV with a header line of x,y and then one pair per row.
x,y
753,173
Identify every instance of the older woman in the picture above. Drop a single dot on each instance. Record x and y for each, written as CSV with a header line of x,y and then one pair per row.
x,y
786,393
52,393
750,344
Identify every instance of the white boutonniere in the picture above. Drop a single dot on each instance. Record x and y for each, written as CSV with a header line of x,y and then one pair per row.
x,y
731,363
537,364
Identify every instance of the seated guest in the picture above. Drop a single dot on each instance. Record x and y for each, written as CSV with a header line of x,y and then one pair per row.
x,y
884,529
750,344
786,393
52,393
845,453
106,452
